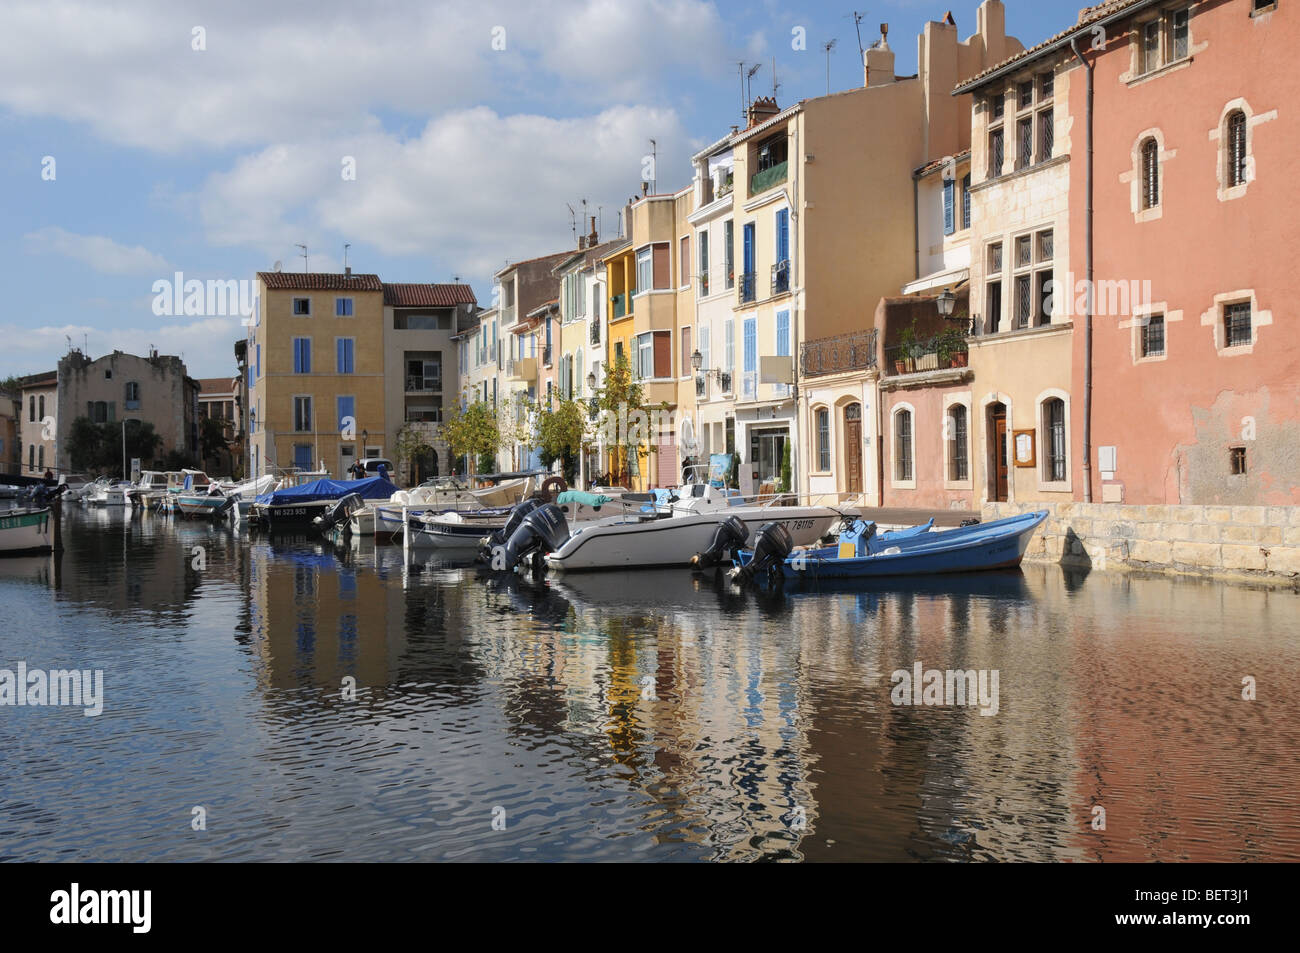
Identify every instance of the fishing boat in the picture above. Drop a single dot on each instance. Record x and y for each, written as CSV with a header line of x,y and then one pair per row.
x,y
245,494
147,492
209,505
25,531
861,554
296,507
443,494
109,493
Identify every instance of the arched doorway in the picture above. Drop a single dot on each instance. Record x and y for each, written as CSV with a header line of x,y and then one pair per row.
x,y
853,448
998,452
424,465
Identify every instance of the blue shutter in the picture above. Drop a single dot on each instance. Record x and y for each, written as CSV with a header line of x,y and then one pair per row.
x,y
751,345
259,360
783,235
783,333
302,456
948,187
749,248
347,407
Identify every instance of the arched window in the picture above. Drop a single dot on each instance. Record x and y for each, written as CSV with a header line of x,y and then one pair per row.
x,y
903,445
41,414
823,418
40,457
1150,173
1235,144
31,456
958,437
31,409
1054,465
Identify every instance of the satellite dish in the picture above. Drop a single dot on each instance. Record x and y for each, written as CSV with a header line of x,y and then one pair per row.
x,y
277,266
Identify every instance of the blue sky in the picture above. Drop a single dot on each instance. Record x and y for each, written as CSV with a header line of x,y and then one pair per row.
x,y
216,162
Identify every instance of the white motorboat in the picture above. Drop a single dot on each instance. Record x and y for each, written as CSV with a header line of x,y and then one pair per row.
x,y
147,492
247,492
464,531
443,494
110,494
679,528
26,530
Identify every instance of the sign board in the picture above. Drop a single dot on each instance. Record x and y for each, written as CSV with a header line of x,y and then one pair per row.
x,y
1023,448
776,370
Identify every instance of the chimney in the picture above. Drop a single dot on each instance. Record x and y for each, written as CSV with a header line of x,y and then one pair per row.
x,y
878,61
593,239
762,109
347,272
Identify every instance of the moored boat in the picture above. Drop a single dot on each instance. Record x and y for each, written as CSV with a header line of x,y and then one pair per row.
x,y
26,530
296,507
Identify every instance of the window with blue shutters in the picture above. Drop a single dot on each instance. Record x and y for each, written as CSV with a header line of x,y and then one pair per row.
x,y
751,345
948,187
302,355
347,408
259,360
783,235
783,333
345,349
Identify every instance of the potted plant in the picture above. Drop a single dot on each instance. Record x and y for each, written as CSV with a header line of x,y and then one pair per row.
x,y
907,347
950,347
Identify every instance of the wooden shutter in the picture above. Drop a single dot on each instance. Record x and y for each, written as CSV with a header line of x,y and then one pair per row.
x,y
663,354
661,267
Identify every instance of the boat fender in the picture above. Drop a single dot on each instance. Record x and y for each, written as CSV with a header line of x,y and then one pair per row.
x,y
731,534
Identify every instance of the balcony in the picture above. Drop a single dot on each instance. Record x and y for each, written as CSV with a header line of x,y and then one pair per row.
x,y
944,351
749,386
781,277
431,415
745,287
521,369
768,178
703,278
546,356
724,381
701,385
423,385
595,331
619,306
838,355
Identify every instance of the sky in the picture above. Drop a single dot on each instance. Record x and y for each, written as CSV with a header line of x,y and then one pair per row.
x,y
439,140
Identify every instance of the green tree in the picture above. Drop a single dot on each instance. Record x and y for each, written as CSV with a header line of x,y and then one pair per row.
x,y
411,443
784,485
97,448
473,431
625,417
562,433
212,439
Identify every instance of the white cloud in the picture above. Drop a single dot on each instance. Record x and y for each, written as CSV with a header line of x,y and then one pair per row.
x,y
471,189
206,344
288,70
99,252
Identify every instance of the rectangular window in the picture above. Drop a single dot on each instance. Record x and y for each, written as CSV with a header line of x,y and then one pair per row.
x,y
1024,301
686,351
703,244
1024,142
729,345
823,440
1178,45
903,445
1054,424
1046,86
706,343
729,249
1150,173
685,276
302,355
302,306
1153,336
1024,250
751,345
1237,461
347,412
958,459
949,206
645,356
1046,134
644,270
1150,45
344,355
996,152
998,104
993,284
1025,94
302,414
1236,324
965,201
342,307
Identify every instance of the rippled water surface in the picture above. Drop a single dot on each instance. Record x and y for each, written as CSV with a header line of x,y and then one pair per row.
x,y
630,716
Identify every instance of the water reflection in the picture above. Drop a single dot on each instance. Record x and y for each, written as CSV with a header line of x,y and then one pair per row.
x,y
637,715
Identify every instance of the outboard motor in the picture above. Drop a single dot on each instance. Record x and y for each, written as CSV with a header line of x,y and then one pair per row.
x,y
340,512
772,545
731,534
498,537
542,531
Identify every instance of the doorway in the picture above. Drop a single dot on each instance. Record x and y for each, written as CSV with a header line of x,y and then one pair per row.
x,y
853,448
998,453
347,457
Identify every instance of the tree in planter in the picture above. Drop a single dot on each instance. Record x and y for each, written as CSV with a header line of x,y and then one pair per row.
x,y
784,485
948,343
472,432
561,435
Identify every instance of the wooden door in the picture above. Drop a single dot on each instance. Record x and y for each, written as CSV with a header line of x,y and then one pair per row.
x,y
853,448
1000,455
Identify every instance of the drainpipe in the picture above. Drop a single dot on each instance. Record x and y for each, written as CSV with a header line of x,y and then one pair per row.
x,y
1087,251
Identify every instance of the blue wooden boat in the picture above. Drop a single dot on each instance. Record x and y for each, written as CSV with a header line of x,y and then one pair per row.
x,y
997,545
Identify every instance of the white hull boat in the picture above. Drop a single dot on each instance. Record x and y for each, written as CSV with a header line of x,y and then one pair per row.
x,y
26,531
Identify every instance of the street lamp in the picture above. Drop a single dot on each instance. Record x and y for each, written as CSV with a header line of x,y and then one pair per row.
x,y
697,360
591,381
946,302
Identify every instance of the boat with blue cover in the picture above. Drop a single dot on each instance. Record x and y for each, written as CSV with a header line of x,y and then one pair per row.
x,y
296,507
861,553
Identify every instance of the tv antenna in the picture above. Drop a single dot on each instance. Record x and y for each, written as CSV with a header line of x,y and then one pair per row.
x,y
304,256
828,46
573,222
654,167
776,86
749,79
346,246
857,28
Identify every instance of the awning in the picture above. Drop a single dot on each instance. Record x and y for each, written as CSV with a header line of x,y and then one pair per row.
x,y
940,279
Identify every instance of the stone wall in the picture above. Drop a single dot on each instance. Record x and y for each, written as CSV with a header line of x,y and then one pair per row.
x,y
1255,543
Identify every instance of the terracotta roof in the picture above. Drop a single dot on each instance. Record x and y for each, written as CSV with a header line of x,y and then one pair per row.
x,y
1087,17
936,163
39,380
557,255
318,281
428,296
217,385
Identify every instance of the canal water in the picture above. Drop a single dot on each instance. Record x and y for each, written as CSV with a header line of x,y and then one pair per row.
x,y
653,716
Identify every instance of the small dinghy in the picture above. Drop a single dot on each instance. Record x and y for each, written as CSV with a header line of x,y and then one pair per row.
x,y
861,553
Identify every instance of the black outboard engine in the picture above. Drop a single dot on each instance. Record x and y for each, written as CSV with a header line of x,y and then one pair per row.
x,y
731,534
340,512
772,545
498,537
542,531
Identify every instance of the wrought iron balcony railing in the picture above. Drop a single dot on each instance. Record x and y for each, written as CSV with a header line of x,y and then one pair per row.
x,y
781,277
855,351
745,287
